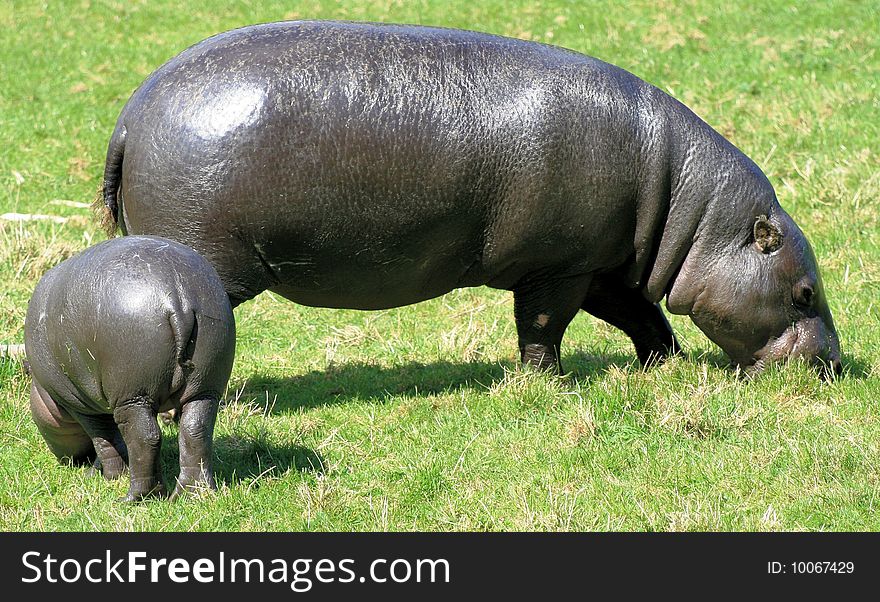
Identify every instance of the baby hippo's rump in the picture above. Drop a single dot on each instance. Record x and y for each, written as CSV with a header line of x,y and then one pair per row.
x,y
129,328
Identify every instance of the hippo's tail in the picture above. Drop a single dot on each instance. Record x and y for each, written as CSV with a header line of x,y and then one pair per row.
x,y
106,205
184,327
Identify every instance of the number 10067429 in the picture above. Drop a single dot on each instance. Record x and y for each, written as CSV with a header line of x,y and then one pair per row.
x,y
802,567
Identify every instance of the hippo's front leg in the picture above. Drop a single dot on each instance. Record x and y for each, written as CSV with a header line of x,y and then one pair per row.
x,y
543,308
197,418
137,421
625,308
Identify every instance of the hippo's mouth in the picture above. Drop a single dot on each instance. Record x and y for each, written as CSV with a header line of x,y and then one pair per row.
x,y
778,348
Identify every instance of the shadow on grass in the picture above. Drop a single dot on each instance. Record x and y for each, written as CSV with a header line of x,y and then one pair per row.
x,y
238,460
358,381
854,367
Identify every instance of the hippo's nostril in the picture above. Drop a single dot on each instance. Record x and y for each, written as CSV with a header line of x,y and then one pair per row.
x,y
829,369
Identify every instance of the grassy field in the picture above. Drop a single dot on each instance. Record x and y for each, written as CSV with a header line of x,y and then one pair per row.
x,y
418,418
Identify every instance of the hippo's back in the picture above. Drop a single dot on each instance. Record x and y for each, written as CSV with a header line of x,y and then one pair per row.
x,y
367,165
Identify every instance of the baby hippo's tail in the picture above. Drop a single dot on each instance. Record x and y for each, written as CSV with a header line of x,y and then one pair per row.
x,y
183,325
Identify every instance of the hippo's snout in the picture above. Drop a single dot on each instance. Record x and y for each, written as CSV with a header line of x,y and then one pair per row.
x,y
810,339
827,360
818,343
835,367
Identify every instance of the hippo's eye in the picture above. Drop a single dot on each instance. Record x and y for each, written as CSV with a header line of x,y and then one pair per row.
x,y
803,294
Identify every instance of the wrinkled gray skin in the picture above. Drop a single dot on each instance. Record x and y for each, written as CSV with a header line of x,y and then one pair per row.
x,y
372,166
126,329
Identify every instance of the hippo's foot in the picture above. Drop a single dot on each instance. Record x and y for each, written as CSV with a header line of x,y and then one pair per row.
x,y
111,455
137,422
655,350
111,468
541,357
195,439
543,306
144,488
170,417
193,480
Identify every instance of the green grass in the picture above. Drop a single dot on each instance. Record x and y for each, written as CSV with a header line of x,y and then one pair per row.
x,y
418,418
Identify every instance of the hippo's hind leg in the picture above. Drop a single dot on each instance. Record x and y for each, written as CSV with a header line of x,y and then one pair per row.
x,y
112,455
65,436
544,307
137,422
625,308
196,437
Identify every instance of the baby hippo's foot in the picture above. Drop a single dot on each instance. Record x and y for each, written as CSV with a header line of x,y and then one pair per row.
x,y
110,469
170,417
193,480
143,488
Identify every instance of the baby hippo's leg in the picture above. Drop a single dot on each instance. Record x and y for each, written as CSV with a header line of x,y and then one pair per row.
x,y
137,422
112,456
197,418
62,433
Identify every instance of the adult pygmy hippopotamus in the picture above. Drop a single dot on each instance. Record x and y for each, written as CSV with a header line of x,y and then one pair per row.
x,y
126,329
373,165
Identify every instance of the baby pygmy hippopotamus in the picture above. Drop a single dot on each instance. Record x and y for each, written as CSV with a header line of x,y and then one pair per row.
x,y
129,328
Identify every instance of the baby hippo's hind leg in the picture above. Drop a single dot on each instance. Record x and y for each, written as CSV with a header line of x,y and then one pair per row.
x,y
196,436
137,422
625,308
112,455
65,436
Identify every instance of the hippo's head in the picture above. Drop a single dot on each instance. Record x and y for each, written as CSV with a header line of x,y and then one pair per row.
x,y
758,295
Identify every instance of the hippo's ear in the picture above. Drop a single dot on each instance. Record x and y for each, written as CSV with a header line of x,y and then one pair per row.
x,y
768,237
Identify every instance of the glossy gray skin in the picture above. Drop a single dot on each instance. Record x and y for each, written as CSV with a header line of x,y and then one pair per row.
x,y
129,328
372,166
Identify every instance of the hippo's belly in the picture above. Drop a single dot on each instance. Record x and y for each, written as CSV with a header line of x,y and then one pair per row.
x,y
353,262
